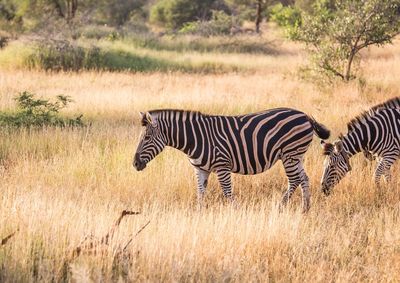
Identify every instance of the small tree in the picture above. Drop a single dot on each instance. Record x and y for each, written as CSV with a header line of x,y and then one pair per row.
x,y
335,34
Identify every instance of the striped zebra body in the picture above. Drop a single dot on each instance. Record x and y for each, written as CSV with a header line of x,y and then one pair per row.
x,y
376,133
246,144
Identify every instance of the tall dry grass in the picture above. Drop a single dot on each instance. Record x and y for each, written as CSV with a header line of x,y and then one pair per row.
x,y
57,185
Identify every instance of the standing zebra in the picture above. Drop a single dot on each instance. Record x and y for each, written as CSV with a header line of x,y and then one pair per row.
x,y
246,144
376,133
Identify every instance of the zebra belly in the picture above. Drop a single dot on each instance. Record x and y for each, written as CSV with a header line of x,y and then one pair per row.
x,y
288,145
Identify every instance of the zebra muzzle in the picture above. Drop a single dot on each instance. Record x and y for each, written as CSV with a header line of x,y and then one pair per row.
x,y
138,163
326,190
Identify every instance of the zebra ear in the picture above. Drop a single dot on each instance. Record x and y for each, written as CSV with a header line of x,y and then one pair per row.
x,y
327,147
338,146
141,117
145,118
149,118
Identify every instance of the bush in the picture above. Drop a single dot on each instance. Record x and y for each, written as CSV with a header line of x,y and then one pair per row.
x,y
64,56
219,24
36,112
287,17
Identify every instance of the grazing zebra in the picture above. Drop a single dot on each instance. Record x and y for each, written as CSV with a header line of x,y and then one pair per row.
x,y
246,144
376,133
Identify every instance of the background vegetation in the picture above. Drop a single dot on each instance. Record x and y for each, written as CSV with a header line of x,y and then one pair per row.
x,y
62,183
108,35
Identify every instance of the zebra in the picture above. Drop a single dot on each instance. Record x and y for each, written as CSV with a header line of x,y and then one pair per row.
x,y
376,133
245,144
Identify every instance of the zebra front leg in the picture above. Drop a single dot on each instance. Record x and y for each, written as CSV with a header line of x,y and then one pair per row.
x,y
202,180
293,169
224,179
388,176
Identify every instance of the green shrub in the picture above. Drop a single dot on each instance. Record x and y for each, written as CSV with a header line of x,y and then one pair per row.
x,y
64,56
36,112
287,17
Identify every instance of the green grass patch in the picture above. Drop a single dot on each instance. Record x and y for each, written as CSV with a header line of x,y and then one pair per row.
x,y
188,54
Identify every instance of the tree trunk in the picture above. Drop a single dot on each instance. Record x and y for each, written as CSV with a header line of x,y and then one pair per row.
x,y
347,74
58,8
72,6
258,15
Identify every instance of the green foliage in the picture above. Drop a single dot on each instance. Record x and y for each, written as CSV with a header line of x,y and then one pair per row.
x,y
245,10
219,24
305,5
7,10
173,14
36,112
288,17
10,21
336,33
118,12
33,15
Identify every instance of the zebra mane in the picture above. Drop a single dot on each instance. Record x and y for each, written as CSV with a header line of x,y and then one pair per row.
x,y
327,148
157,111
393,103
174,111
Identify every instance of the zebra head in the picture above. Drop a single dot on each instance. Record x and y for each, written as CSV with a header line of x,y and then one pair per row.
x,y
151,143
336,165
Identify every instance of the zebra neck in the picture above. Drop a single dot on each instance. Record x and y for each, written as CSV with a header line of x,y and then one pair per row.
x,y
353,143
178,129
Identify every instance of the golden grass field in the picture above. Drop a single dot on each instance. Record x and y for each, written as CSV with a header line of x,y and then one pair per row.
x,y
58,185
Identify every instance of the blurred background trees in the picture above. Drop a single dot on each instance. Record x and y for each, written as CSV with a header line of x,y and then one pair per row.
x,y
29,15
333,31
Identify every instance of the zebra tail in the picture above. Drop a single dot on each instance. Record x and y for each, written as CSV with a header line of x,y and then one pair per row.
x,y
320,130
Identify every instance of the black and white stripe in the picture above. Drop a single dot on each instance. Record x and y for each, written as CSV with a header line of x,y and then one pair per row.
x,y
376,133
247,144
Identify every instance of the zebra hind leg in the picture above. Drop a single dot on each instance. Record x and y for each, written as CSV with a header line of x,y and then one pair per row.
x,y
202,180
383,168
294,172
305,190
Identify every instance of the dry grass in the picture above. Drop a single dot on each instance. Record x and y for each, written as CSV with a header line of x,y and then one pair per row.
x,y
58,185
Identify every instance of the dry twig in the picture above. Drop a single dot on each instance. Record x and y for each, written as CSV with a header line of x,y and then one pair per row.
x,y
6,239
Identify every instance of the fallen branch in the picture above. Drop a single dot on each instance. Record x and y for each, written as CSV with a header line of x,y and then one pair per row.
x,y
89,244
93,244
6,239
